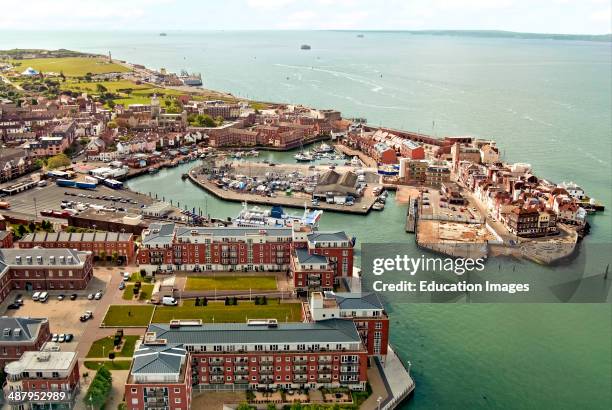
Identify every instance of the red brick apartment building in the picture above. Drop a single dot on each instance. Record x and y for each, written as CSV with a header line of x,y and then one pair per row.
x,y
50,372
166,247
99,243
241,356
43,269
364,309
20,335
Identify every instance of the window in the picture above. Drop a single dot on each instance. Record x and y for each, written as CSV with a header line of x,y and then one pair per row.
x,y
177,400
134,390
177,390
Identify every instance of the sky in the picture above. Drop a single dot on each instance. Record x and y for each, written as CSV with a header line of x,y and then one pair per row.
x,y
539,16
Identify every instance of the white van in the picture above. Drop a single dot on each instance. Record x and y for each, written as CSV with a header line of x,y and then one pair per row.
x,y
43,297
126,276
35,296
169,301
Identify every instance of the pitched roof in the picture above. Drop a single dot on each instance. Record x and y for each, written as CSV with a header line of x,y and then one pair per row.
x,y
330,331
358,301
328,236
28,328
158,359
304,257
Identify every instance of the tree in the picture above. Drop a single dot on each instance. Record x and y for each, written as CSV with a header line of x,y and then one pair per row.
x,y
103,255
58,161
271,406
111,356
99,389
32,227
197,301
21,230
244,406
101,88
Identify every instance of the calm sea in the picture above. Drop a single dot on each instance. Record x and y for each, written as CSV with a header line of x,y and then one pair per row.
x,y
545,102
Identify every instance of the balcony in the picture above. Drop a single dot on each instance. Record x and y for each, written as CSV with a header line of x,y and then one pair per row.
x,y
300,369
266,360
300,360
324,369
216,370
266,380
324,379
266,370
242,380
241,370
300,379
216,361
325,359
241,360
217,380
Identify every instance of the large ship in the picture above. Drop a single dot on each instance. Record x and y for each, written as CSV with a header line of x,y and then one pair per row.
x,y
193,79
275,218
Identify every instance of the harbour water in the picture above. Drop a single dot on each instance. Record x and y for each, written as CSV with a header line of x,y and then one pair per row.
x,y
545,102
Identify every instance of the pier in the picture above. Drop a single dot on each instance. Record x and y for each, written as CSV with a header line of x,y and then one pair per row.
x,y
362,207
412,215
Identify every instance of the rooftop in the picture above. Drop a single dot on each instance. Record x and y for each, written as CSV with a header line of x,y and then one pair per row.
x,y
330,331
34,361
156,359
20,329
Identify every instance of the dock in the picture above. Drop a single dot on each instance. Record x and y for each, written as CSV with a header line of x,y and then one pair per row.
x,y
362,207
412,215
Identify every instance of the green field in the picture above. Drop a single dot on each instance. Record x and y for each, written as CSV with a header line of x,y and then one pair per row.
x,y
146,290
70,66
102,347
110,365
231,283
291,312
128,315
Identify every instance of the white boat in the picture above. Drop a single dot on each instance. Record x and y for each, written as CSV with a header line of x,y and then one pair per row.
x,y
276,217
303,157
378,206
323,148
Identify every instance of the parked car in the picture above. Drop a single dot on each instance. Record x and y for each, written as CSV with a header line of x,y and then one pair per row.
x,y
90,296
35,296
69,337
19,300
122,285
61,297
86,316
73,296
98,295
61,338
13,306
43,297
55,337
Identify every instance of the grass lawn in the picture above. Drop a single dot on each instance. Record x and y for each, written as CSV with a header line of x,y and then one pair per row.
x,y
146,289
91,86
231,283
128,315
110,365
230,314
70,66
102,347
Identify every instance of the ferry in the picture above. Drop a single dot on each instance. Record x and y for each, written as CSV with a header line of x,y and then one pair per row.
x,y
276,217
305,47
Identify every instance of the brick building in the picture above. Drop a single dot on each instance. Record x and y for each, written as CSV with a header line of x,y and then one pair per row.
x,y
21,334
101,244
43,371
43,269
364,309
6,239
236,356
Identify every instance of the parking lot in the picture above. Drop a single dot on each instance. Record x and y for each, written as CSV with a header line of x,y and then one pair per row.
x,y
64,314
51,196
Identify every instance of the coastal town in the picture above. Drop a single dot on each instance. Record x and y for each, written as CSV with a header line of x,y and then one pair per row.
x,y
191,310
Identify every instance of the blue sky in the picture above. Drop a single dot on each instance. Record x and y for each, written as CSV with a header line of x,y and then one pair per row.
x,y
550,16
